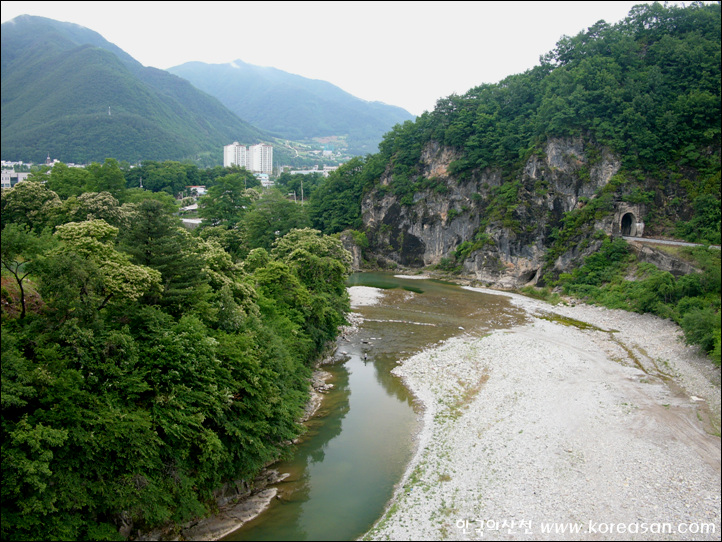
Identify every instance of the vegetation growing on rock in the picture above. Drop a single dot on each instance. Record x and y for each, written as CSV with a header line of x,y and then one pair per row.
x,y
520,182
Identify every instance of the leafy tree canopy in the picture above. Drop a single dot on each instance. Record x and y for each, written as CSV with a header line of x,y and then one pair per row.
x,y
152,367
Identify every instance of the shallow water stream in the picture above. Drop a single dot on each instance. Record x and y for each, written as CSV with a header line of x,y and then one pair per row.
x,y
343,472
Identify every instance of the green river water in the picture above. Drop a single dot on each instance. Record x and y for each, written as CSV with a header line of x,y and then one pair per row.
x,y
343,471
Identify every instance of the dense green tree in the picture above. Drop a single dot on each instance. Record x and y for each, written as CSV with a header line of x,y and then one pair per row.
x,y
139,195
135,413
20,248
335,205
705,224
107,177
321,261
169,177
228,199
68,181
31,203
270,217
155,239
322,264
158,368
233,240
91,206
85,272
300,186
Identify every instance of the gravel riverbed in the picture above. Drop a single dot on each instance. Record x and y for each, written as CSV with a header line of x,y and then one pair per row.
x,y
561,431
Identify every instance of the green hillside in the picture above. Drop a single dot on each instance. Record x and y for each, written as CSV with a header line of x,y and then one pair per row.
x,y
526,183
69,93
648,89
294,107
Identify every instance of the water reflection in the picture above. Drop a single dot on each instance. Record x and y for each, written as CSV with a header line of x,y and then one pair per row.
x,y
343,472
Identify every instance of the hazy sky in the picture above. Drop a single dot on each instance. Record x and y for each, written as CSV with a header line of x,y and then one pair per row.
x,y
407,54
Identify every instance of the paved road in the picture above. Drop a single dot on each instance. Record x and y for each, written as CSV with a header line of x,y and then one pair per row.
x,y
665,242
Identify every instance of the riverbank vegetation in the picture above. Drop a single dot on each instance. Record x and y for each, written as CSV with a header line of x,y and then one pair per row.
x,y
645,90
144,366
613,278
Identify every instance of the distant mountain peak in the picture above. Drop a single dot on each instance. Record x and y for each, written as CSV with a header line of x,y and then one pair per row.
x,y
292,106
59,78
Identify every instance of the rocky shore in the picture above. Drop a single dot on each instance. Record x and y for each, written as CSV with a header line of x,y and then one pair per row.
x,y
239,503
584,424
236,511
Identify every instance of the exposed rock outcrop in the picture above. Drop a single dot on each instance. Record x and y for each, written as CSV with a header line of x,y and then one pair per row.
x,y
662,260
356,254
495,227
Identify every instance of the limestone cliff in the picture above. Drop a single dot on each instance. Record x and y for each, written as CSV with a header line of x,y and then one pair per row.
x,y
497,227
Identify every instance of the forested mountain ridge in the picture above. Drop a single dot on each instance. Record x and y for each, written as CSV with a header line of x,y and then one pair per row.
x,y
520,183
68,92
623,114
294,107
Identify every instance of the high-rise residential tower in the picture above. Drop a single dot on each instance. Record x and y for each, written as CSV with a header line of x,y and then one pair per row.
x,y
256,158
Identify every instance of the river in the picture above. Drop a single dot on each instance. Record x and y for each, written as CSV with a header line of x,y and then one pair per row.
x,y
342,473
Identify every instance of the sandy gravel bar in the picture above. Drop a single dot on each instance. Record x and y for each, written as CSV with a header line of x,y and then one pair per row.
x,y
364,295
560,431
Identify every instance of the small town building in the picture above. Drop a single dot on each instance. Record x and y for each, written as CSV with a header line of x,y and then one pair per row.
x,y
196,190
10,178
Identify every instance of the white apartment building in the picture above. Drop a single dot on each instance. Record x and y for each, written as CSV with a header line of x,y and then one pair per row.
x,y
235,154
256,158
261,158
10,178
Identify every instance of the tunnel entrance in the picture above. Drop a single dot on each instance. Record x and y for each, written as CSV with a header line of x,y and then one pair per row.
x,y
627,221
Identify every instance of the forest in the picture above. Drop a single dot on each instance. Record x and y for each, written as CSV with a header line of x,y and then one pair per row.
x,y
70,93
646,89
143,366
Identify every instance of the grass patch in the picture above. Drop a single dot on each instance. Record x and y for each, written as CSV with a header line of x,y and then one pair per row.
x,y
680,253
464,399
571,322
544,294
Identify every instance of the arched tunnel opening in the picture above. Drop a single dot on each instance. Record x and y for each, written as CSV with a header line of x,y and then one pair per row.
x,y
627,221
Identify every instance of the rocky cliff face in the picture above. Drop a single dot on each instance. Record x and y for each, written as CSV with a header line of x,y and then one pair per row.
x,y
662,260
356,253
495,226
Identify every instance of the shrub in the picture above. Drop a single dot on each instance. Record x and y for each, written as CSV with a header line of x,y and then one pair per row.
x,y
701,326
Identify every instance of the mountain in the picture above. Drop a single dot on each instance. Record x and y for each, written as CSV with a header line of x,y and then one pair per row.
x,y
69,93
294,107
616,132
546,181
